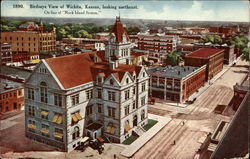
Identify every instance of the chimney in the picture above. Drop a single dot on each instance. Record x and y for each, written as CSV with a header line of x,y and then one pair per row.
x,y
113,64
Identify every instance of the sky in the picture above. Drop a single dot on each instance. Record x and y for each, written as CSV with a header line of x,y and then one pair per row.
x,y
231,10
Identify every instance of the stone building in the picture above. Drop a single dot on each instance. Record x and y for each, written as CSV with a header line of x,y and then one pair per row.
x,y
212,58
176,83
94,94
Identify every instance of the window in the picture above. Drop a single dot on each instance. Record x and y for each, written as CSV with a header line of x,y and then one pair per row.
x,y
75,99
76,133
89,109
58,134
127,80
44,114
44,93
143,87
31,125
99,93
126,94
89,94
143,114
111,96
45,130
111,112
134,90
134,105
31,93
111,82
126,110
58,99
76,117
99,107
143,101
31,110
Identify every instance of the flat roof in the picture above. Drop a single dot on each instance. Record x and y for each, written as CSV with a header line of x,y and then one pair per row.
x,y
204,52
172,72
15,72
7,85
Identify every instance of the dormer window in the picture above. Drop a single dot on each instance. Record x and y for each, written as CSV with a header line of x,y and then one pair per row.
x,y
111,82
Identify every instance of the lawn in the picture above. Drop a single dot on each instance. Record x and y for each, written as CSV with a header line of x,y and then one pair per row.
x,y
150,124
129,140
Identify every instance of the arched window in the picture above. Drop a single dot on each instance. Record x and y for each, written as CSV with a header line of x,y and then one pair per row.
x,y
44,92
76,133
143,114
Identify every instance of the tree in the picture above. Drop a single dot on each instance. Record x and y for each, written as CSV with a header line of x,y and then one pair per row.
x,y
214,39
245,54
83,34
172,58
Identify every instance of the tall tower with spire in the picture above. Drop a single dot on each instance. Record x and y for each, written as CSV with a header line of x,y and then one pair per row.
x,y
118,47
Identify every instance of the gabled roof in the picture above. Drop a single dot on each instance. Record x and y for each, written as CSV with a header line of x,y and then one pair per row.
x,y
74,70
119,31
204,53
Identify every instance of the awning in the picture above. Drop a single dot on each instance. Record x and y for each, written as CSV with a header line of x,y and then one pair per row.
x,y
84,139
59,120
74,118
108,129
44,130
44,113
78,116
55,118
127,127
58,135
31,126
112,131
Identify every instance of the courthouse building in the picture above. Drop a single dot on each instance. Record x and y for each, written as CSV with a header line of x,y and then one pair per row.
x,y
96,94
211,57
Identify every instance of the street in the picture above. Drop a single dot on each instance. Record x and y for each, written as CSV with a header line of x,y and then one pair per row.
x,y
178,140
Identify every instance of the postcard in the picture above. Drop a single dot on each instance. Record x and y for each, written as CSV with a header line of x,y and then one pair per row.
x,y
141,79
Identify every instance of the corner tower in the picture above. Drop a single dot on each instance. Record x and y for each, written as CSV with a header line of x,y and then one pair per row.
x,y
118,47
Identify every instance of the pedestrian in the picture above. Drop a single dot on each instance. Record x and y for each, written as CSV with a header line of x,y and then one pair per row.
x,y
114,156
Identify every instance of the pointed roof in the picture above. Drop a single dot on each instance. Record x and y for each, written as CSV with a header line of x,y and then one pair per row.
x,y
118,30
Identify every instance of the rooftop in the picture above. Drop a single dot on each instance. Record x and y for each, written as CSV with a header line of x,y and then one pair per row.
x,y
7,85
74,70
204,52
172,72
119,31
15,72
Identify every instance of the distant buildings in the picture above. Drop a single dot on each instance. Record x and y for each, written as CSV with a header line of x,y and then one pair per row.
x,y
5,54
212,58
29,42
93,94
139,58
157,45
176,83
223,31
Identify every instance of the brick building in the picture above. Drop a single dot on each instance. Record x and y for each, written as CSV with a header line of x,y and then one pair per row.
x,y
11,96
158,45
176,83
212,58
30,39
5,54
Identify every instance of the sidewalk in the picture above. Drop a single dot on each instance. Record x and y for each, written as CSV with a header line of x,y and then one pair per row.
x,y
144,138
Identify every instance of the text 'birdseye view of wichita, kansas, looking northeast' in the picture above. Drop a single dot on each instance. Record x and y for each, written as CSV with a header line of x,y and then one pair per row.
x,y
124,79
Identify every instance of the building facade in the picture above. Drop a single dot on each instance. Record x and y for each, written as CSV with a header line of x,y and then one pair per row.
x,y
33,42
5,54
176,83
11,96
158,45
211,57
95,94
